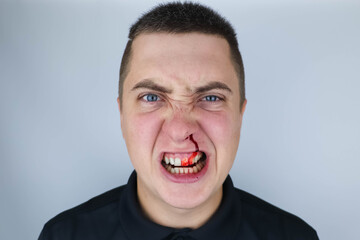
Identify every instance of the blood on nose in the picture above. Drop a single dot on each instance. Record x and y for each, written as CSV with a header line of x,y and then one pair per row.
x,y
196,145
189,161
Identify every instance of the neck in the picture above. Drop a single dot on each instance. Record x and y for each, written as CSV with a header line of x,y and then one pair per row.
x,y
164,214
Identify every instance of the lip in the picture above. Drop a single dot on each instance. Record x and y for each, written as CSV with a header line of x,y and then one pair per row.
x,y
184,178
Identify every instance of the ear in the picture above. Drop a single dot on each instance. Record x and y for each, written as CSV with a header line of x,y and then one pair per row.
x,y
121,115
243,107
119,105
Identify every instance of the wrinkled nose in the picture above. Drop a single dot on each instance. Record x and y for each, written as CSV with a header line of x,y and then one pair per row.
x,y
179,126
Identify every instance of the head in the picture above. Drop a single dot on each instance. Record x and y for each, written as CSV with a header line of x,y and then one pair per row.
x,y
180,18
181,97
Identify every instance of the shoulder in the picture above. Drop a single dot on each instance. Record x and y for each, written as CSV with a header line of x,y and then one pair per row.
x,y
98,211
264,217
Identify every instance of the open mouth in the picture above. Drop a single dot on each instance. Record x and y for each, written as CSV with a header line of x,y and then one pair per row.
x,y
184,163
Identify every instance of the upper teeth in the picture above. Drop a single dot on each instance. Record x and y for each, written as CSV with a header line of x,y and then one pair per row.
x,y
176,161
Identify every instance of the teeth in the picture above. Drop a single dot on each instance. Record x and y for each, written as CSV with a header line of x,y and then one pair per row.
x,y
198,156
177,162
173,165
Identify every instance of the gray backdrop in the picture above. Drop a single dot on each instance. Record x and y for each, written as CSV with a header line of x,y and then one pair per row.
x,y
60,138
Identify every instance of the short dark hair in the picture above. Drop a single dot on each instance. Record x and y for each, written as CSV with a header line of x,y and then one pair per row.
x,y
187,17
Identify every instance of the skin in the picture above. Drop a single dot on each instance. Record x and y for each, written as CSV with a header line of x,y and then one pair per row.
x,y
178,73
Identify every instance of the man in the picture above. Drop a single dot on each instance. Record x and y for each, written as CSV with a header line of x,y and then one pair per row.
x,y
181,101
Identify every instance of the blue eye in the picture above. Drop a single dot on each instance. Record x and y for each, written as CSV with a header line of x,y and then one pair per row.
x,y
151,98
211,98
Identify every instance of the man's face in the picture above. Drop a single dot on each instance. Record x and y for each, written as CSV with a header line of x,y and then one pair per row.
x,y
181,91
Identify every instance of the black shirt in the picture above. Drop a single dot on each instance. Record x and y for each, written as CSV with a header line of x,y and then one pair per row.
x,y
117,215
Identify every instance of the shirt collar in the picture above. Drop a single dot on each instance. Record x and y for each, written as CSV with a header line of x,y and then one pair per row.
x,y
222,225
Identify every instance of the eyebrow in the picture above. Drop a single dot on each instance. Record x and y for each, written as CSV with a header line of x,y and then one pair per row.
x,y
150,84
211,86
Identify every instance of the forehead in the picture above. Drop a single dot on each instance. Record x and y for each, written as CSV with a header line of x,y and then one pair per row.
x,y
185,59
184,42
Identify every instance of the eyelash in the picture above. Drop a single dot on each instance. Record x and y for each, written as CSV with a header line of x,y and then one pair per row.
x,y
207,98
145,97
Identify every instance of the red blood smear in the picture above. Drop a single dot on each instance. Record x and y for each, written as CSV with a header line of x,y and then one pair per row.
x,y
188,161
196,145
185,162
193,155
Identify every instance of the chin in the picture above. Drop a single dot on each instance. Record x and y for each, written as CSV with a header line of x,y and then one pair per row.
x,y
187,196
186,202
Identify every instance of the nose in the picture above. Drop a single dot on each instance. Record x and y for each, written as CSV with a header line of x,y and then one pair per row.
x,y
179,126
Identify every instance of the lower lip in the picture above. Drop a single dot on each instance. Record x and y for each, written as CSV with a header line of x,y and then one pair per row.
x,y
185,178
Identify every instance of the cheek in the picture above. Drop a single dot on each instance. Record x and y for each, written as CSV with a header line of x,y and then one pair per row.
x,y
142,131
221,127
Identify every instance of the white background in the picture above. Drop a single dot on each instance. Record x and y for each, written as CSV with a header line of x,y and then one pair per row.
x,y
60,138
